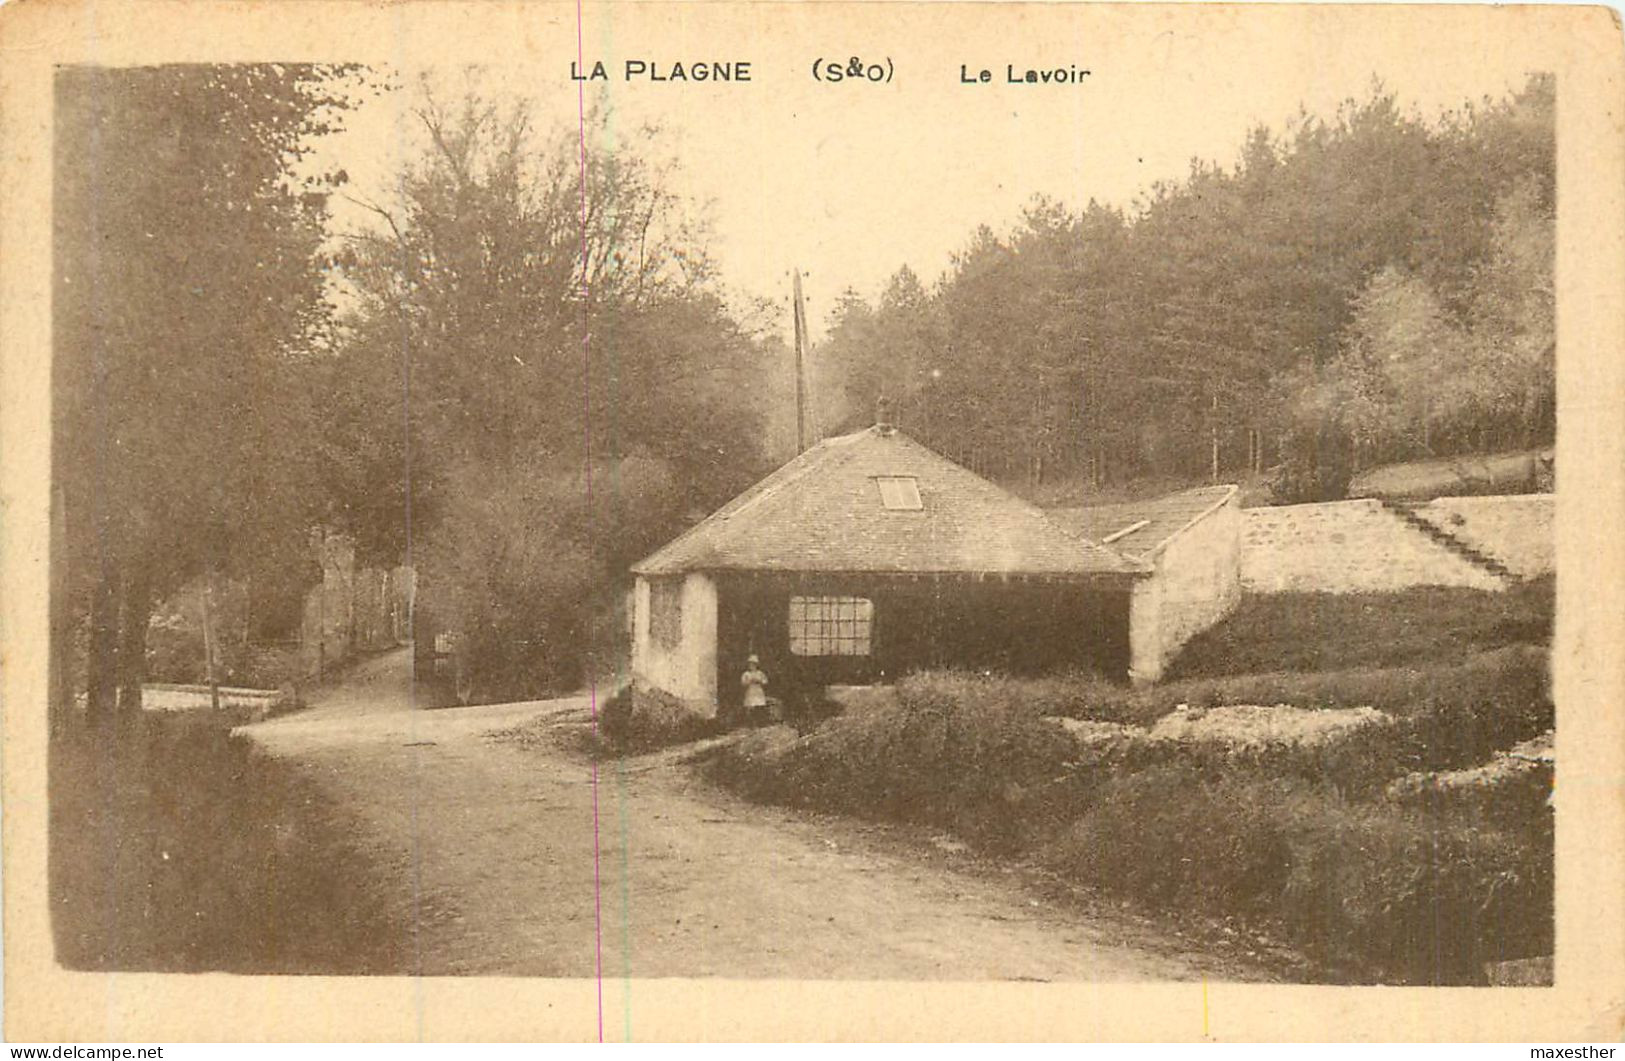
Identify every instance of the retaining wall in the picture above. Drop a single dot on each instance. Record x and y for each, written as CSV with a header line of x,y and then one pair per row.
x,y
1194,586
1518,530
1347,547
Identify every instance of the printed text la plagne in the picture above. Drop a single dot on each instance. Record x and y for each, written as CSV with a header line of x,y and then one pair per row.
x,y
826,69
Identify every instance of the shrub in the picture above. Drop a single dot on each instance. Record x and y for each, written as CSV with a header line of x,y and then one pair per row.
x,y
1416,898
1450,718
1450,714
521,559
1507,791
947,737
615,716
1088,695
1506,686
175,654
752,766
959,751
1386,688
1445,717
1172,836
1292,833
1427,898
639,719
1337,631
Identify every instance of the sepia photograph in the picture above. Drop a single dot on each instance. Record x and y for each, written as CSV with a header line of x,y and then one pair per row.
x,y
814,497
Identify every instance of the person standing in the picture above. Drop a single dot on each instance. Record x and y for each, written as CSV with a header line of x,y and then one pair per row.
x,y
755,684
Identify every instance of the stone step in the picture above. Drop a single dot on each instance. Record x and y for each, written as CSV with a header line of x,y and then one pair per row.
x,y
1407,513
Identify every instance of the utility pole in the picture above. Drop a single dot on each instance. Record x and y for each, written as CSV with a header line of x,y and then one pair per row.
x,y
206,596
800,313
1214,433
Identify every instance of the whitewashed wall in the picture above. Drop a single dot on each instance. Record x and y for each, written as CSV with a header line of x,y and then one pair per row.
x,y
1196,583
688,669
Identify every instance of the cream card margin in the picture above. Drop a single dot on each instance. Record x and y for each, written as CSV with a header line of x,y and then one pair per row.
x,y
1581,45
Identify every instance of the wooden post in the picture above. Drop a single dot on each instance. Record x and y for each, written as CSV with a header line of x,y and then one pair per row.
x,y
132,650
1214,434
207,593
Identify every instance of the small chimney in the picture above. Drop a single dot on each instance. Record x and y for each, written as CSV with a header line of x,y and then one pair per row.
x,y
883,416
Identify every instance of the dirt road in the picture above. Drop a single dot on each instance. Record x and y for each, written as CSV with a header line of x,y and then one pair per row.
x,y
511,859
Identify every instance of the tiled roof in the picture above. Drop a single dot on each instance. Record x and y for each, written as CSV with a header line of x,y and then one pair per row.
x,y
1153,522
822,512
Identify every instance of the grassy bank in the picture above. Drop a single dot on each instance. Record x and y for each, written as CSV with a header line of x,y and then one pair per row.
x,y
1300,840
175,847
1307,632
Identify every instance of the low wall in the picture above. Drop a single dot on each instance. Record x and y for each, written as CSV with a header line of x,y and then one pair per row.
x,y
1518,530
163,696
1346,547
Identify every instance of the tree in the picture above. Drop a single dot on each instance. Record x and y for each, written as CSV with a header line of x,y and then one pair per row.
x,y
889,350
1370,279
1407,365
1514,314
190,302
545,340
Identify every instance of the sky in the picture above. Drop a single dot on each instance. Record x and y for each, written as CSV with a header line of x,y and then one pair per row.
x,y
848,182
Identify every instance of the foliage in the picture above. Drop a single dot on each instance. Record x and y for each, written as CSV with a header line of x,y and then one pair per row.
x,y
1446,716
1295,835
1412,377
1505,791
1394,689
513,567
539,301
955,751
174,847
1400,895
175,654
1453,672
186,432
545,325
1087,694
639,719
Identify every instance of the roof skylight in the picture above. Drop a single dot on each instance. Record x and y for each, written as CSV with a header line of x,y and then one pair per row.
x,y
899,493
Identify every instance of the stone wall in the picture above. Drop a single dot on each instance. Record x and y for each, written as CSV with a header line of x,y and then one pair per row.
x,y
1347,547
1196,583
167,696
1518,530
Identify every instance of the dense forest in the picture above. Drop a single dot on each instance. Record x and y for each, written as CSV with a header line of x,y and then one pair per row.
x,y
522,372
1361,288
